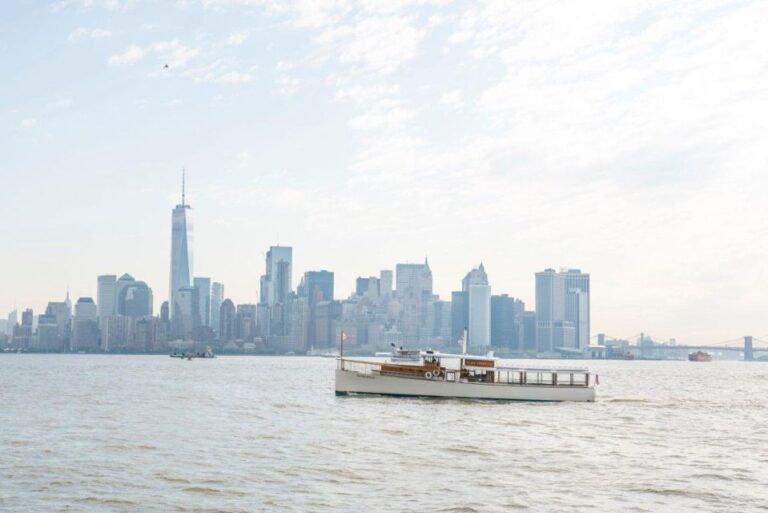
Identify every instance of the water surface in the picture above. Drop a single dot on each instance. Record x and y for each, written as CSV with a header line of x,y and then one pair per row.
x,y
148,433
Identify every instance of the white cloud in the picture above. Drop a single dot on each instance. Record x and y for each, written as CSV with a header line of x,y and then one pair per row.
x,y
237,39
28,123
453,100
94,33
174,53
131,55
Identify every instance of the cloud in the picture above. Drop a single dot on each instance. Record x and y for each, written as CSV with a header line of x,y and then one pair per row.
x,y
94,33
453,100
28,123
131,55
174,53
237,39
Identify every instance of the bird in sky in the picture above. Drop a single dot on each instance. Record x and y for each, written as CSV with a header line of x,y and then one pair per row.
x,y
166,66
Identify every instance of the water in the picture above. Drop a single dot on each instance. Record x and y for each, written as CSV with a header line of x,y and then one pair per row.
x,y
143,433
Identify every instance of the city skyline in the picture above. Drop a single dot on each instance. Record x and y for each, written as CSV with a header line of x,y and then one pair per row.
x,y
628,147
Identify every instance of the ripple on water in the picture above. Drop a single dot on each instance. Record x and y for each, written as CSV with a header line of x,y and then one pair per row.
x,y
268,434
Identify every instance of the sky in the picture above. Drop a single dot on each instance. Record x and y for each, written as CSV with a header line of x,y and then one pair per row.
x,y
627,139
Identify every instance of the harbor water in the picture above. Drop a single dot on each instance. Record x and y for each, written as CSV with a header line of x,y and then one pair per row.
x,y
102,433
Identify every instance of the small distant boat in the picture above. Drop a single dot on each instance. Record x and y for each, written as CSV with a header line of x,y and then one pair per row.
x,y
699,356
208,353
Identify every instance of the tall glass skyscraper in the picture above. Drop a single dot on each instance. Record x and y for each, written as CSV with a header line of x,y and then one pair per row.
x,y
181,250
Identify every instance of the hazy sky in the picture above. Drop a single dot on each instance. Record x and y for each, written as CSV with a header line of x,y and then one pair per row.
x,y
628,139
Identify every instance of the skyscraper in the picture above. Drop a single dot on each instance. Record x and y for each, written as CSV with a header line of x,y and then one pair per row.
x,y
414,293
181,250
505,326
105,295
85,327
217,298
550,308
226,321
562,310
475,284
318,286
577,305
277,283
203,286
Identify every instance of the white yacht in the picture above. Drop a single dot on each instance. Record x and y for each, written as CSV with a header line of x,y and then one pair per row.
x,y
475,377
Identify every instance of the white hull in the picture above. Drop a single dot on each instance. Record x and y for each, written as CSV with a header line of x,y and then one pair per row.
x,y
351,382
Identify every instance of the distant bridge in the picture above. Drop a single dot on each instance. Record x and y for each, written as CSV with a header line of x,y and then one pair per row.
x,y
746,346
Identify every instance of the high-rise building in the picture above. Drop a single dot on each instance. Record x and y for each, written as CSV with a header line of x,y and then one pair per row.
x,y
85,326
577,305
550,307
181,251
318,286
217,298
505,330
63,318
203,286
562,310
459,314
134,298
528,331
227,321
47,334
276,283
13,319
186,316
385,283
475,283
414,293
105,294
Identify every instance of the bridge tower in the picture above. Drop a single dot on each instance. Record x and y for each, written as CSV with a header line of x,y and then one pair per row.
x,y
749,355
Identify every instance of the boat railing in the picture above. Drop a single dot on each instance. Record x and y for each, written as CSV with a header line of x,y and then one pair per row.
x,y
499,376
358,366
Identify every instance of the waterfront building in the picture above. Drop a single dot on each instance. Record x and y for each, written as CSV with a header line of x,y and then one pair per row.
x,y
528,331
459,314
505,330
203,286
550,307
106,295
276,283
439,321
47,338
185,318
318,286
217,298
385,284
62,313
577,305
226,321
475,283
116,333
245,322
414,292
13,319
85,326
181,252
562,298
134,298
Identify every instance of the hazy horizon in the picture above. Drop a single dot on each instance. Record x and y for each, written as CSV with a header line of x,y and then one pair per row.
x,y
624,139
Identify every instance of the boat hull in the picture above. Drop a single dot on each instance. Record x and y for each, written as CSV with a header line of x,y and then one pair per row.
x,y
351,382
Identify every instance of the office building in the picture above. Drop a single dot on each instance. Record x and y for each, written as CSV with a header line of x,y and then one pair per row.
x,y
475,284
227,314
276,283
217,298
106,295
203,286
181,251
414,293
85,326
505,312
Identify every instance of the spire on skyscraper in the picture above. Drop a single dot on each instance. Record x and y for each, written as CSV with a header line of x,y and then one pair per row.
x,y
183,187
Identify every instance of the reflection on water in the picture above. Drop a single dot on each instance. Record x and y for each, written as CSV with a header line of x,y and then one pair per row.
x,y
143,433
